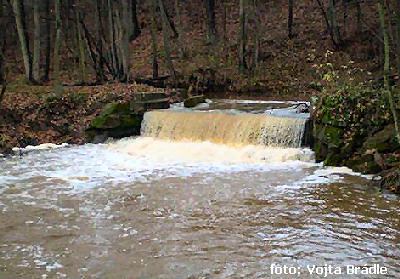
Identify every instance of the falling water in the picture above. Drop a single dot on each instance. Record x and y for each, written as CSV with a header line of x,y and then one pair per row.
x,y
232,129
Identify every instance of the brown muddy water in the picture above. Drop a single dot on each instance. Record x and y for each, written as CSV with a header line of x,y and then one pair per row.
x,y
154,208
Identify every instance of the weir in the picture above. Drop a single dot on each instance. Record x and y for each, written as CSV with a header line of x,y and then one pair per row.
x,y
223,128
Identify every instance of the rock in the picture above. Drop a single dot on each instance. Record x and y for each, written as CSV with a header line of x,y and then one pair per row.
x,y
143,102
303,108
116,120
119,120
364,163
334,157
330,135
391,180
308,139
383,141
194,101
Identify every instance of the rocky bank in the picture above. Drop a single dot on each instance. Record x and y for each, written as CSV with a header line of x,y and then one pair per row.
x,y
353,127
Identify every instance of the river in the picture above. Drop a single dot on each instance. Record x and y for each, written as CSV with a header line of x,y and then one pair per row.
x,y
150,207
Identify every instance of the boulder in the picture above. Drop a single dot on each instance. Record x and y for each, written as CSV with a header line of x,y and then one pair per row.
x,y
194,101
365,164
116,121
383,141
143,102
119,120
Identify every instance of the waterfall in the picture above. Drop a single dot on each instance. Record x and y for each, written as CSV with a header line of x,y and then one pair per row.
x,y
231,129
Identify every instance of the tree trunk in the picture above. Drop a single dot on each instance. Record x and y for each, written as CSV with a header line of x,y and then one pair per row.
x,y
2,48
135,23
256,35
81,48
154,44
386,71
397,35
36,40
47,41
126,34
99,61
242,37
57,46
290,19
3,80
167,47
328,24
19,13
359,16
179,28
333,21
169,24
211,22
113,51
345,4
224,24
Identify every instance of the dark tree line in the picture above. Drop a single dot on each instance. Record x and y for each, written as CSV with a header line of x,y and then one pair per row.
x,y
98,33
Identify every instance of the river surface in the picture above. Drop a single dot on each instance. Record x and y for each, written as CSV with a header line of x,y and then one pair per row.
x,y
151,208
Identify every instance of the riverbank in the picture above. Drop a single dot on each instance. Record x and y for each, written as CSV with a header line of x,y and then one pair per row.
x,y
353,127
33,115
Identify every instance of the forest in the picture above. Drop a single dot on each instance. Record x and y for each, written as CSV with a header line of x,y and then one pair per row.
x,y
95,42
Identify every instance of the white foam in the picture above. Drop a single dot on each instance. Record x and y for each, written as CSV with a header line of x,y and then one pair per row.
x,y
145,159
206,152
235,101
44,146
324,175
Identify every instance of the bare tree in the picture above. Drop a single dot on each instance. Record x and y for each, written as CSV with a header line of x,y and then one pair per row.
x,y
242,36
211,22
47,46
36,40
57,47
386,71
19,13
154,44
290,19
179,28
257,40
3,81
135,27
167,47
81,47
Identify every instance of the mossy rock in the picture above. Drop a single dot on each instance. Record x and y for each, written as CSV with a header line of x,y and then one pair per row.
x,y
110,117
194,101
364,163
321,151
330,135
5,141
117,121
334,158
383,141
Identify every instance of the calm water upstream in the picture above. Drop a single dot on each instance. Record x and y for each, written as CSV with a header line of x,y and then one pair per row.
x,y
153,208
